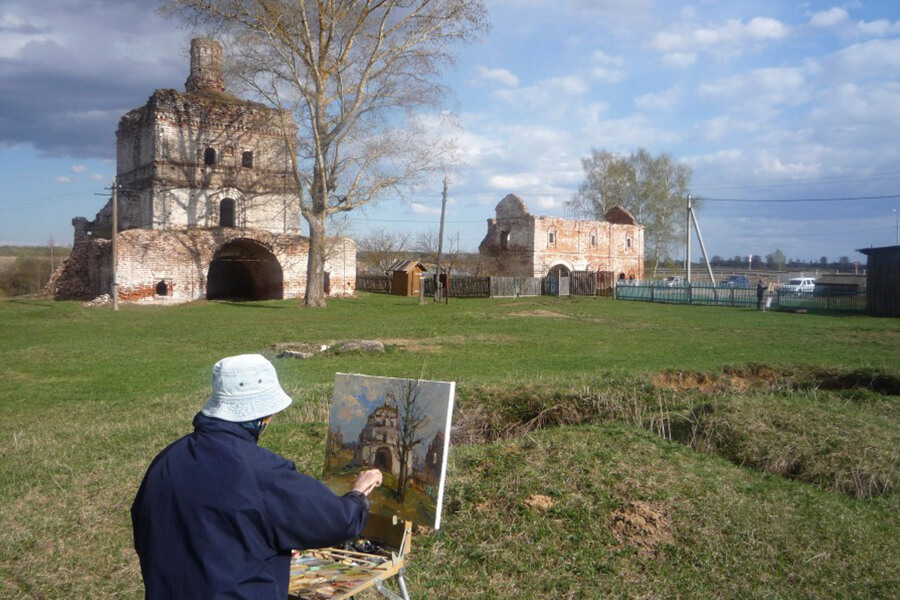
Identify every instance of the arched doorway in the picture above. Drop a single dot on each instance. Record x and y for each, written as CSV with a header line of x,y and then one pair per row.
x,y
559,271
244,269
558,280
383,460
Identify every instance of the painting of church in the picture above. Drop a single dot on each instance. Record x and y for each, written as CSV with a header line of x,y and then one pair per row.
x,y
399,426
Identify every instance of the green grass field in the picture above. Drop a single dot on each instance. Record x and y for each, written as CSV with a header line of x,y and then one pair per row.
x,y
602,449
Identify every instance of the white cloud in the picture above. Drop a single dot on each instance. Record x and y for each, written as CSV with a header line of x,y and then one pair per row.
x,y
501,77
873,59
548,202
770,166
551,95
680,59
760,88
571,85
663,101
78,168
605,75
63,180
626,134
881,27
98,177
418,208
829,18
720,128
605,59
514,182
730,36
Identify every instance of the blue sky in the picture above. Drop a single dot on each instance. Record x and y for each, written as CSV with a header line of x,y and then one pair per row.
x,y
769,102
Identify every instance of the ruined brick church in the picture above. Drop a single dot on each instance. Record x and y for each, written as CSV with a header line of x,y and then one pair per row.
x,y
520,244
207,206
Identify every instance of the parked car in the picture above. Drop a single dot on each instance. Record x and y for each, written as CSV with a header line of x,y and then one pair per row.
x,y
736,281
673,281
799,285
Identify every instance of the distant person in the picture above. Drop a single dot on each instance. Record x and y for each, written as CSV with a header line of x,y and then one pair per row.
x,y
217,515
760,292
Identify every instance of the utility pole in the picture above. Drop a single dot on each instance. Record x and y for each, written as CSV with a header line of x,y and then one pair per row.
x,y
439,283
894,210
115,256
687,241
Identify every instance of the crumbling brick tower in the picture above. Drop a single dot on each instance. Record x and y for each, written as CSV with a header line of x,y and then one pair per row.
x,y
207,207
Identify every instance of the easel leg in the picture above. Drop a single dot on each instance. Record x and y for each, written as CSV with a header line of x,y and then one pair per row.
x,y
402,584
384,591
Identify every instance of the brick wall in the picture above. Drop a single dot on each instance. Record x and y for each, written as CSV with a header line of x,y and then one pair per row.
x,y
181,261
520,244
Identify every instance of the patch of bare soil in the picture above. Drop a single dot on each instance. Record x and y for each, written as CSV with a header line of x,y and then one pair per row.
x,y
686,380
742,379
539,502
642,525
539,313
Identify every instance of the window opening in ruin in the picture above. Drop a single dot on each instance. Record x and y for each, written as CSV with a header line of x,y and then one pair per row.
x,y
162,289
551,237
226,213
247,160
209,156
504,240
593,239
628,243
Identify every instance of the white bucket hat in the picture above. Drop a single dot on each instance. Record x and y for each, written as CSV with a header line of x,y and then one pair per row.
x,y
245,388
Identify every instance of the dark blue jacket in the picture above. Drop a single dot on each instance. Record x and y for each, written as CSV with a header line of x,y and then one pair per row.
x,y
217,516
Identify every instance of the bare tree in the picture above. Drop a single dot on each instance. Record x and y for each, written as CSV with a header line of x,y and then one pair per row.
x,y
653,188
357,75
413,416
426,246
378,250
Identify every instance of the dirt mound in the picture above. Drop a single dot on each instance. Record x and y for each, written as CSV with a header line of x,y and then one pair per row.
x,y
539,502
643,526
735,379
686,380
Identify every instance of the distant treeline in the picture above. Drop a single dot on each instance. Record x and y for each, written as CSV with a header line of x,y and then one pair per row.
x,y
25,270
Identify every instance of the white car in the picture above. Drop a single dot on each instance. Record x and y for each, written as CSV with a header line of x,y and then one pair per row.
x,y
673,281
799,285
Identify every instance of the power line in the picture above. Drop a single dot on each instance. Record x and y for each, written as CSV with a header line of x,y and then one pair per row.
x,y
797,200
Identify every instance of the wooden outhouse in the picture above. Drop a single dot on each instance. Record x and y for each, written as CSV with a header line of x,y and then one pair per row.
x,y
883,281
406,277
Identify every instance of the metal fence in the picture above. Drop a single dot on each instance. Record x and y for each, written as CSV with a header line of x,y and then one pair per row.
x,y
710,295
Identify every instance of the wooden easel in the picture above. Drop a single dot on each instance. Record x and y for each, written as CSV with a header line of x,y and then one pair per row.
x,y
338,574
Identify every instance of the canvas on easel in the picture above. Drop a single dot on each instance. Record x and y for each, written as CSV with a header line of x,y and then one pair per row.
x,y
402,427
399,426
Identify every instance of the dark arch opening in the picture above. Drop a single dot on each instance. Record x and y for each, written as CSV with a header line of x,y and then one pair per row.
x,y
383,459
226,213
559,270
162,289
209,156
244,270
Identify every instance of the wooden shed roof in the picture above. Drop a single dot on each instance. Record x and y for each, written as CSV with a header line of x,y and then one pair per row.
x,y
407,266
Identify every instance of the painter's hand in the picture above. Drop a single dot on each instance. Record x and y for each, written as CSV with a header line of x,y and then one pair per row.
x,y
367,481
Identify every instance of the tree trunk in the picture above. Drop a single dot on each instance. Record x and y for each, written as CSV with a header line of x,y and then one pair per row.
x,y
656,258
315,266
